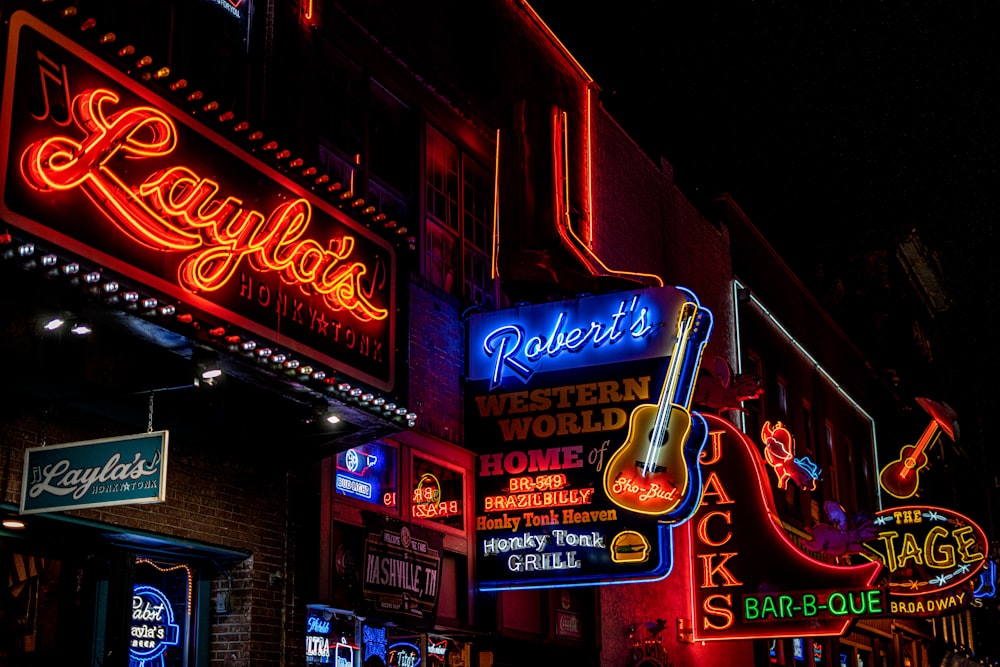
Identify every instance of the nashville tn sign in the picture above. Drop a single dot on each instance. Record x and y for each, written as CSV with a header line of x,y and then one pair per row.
x,y
99,165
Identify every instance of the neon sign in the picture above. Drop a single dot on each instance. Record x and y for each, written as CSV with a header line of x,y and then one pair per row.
x,y
511,350
403,654
368,473
520,342
427,502
159,198
748,579
931,557
807,605
375,642
779,451
153,627
559,396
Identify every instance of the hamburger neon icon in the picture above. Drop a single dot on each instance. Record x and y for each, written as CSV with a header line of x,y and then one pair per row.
x,y
629,546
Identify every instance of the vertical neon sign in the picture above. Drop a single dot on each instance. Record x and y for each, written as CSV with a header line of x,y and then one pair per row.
x,y
153,627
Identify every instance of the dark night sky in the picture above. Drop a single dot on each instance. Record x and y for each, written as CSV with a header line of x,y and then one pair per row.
x,y
827,123
859,115
820,119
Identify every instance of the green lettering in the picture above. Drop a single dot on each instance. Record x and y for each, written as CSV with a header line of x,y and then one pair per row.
x,y
808,605
785,606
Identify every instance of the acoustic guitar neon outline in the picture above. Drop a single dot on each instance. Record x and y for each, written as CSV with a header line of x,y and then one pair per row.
x,y
648,473
901,478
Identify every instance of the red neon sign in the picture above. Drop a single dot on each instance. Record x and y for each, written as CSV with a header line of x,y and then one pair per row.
x,y
748,579
122,178
930,556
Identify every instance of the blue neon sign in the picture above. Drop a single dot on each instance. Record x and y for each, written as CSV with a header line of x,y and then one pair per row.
x,y
153,627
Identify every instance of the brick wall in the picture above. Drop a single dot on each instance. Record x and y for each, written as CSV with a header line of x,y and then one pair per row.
x,y
211,500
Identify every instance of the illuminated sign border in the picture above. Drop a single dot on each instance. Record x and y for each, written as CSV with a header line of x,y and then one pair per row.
x,y
921,533
378,366
544,515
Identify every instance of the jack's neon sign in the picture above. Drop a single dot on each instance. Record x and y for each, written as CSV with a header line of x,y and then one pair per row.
x,y
748,579
127,181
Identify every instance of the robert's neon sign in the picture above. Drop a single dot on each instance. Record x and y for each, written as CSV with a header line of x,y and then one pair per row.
x,y
510,348
126,181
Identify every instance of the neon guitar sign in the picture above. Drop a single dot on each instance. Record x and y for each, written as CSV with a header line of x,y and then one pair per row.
x,y
901,478
104,168
649,474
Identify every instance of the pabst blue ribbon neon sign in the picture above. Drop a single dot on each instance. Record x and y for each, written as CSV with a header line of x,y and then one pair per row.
x,y
153,627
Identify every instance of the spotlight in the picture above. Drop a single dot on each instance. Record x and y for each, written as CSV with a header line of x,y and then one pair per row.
x,y
54,324
13,524
81,329
332,419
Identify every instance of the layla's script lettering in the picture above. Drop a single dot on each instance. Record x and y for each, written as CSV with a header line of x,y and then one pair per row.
x,y
176,209
62,479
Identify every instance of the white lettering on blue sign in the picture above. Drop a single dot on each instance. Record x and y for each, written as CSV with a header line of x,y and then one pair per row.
x,y
61,479
509,348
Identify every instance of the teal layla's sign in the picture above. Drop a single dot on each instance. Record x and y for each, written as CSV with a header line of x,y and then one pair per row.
x,y
95,473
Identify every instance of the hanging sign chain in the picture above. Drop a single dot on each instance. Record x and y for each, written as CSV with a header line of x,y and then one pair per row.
x,y
149,423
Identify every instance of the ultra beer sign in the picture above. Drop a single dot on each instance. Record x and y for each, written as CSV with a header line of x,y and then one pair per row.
x,y
101,166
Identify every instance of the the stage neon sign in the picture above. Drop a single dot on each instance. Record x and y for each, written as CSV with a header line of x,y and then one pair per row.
x,y
125,180
931,557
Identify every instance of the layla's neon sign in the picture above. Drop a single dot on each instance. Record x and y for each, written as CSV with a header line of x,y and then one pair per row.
x,y
176,209
127,181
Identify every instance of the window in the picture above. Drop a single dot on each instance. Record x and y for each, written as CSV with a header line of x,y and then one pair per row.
x,y
754,409
369,143
831,456
457,244
809,446
783,398
437,493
